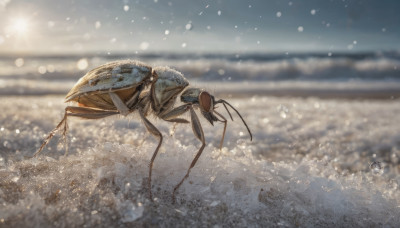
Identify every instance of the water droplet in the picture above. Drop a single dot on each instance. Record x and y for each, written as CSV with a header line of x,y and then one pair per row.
x,y
19,62
189,26
97,25
278,14
300,29
183,45
144,45
17,131
42,70
82,64
126,8
166,32
219,12
313,12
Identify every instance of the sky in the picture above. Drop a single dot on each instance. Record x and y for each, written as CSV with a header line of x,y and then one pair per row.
x,y
222,26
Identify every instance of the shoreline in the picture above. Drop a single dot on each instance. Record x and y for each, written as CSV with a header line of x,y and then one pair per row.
x,y
290,89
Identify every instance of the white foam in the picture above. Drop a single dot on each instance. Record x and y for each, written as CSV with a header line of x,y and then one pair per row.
x,y
311,168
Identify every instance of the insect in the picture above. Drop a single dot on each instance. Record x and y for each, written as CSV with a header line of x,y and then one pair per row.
x,y
127,86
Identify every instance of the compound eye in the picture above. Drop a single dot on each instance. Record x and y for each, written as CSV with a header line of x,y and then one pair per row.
x,y
205,101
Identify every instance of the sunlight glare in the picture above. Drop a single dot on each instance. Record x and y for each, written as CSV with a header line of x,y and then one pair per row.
x,y
20,25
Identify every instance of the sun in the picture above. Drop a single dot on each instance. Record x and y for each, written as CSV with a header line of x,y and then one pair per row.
x,y
20,26
19,30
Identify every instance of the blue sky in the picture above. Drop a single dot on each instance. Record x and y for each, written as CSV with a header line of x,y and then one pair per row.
x,y
101,26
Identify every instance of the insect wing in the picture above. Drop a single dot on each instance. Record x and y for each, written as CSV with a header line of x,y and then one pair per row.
x,y
112,76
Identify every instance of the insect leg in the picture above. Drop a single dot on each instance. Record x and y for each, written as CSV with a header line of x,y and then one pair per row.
x,y
198,132
52,133
223,134
121,106
89,113
83,112
154,131
172,114
134,99
244,122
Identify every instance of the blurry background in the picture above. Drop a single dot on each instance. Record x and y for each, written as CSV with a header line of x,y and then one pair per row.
x,y
279,26
297,45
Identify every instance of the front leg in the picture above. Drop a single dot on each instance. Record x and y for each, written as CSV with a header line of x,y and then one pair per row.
x,y
171,115
198,132
225,123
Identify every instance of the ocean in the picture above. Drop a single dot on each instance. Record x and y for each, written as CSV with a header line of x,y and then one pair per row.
x,y
371,74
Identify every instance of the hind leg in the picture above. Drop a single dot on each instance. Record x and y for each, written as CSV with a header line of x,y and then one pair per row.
x,y
83,112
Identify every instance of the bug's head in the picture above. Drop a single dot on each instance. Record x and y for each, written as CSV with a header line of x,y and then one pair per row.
x,y
206,103
203,99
